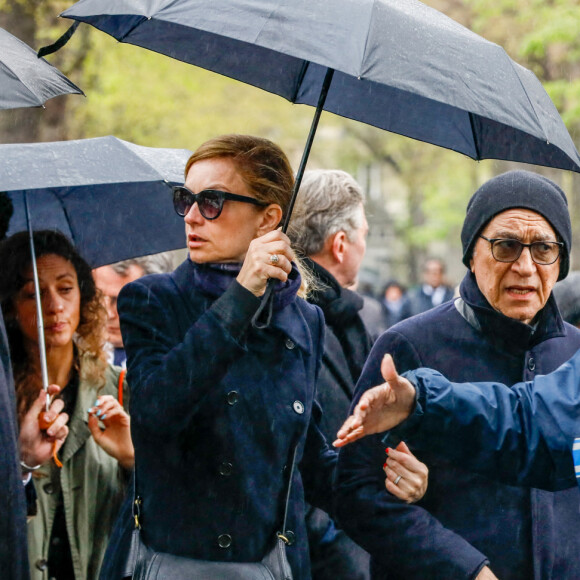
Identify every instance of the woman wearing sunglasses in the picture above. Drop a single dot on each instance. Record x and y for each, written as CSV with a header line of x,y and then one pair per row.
x,y
218,406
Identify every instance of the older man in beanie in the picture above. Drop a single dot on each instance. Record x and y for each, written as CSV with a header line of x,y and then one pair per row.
x,y
504,327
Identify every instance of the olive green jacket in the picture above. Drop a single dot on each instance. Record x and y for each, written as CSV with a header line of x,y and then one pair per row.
x,y
93,485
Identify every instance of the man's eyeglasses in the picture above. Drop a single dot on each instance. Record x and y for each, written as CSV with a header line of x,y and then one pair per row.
x,y
507,250
210,202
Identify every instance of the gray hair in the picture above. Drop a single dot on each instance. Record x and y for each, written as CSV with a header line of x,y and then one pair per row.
x,y
154,264
329,201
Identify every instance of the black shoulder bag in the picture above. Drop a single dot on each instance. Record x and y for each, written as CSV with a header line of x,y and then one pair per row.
x,y
147,564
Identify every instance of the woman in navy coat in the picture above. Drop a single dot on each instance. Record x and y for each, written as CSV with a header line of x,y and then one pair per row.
x,y
217,406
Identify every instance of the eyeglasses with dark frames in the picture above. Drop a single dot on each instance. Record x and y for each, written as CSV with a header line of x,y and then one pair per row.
x,y
508,250
210,202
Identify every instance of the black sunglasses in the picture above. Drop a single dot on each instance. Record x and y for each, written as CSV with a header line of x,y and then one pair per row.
x,y
210,202
508,250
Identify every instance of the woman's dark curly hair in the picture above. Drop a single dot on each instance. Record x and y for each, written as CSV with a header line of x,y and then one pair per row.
x,y
89,338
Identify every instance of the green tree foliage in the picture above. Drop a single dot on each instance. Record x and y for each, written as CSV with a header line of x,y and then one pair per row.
x,y
153,100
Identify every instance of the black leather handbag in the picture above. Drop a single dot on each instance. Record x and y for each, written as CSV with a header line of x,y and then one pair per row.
x,y
146,564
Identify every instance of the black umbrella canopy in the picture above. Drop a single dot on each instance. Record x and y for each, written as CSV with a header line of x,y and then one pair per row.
x,y
25,79
399,65
112,198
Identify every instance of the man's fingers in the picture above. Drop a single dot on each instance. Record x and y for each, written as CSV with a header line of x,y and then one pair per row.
x,y
388,369
352,436
346,427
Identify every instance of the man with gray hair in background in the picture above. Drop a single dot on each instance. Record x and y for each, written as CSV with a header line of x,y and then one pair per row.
x,y
328,231
110,279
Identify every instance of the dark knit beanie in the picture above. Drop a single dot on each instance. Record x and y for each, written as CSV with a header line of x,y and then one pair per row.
x,y
512,190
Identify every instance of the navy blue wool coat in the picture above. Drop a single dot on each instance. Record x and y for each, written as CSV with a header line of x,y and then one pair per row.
x,y
465,519
216,410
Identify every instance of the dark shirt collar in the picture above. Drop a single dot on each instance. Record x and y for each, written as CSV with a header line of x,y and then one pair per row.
x,y
511,334
339,304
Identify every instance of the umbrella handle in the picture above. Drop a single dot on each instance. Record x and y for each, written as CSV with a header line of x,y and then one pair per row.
x,y
39,319
267,306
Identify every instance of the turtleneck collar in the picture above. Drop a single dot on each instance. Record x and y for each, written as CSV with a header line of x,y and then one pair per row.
x,y
338,304
213,279
514,335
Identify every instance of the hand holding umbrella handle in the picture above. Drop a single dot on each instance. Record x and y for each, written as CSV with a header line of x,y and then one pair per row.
x,y
259,320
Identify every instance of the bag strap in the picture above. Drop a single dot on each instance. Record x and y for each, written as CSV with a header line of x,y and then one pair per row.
x,y
283,535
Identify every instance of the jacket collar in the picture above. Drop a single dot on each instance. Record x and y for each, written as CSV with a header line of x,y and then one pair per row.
x,y
339,305
513,335
288,320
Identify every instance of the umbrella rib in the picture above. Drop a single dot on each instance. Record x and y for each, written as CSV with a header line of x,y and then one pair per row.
x,y
122,38
24,84
474,135
305,65
511,62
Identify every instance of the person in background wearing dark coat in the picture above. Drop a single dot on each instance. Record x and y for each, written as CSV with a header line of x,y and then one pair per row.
x,y
431,293
109,280
393,301
21,451
504,327
329,226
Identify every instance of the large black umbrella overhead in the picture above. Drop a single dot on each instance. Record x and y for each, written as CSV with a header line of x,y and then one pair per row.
x,y
395,64
110,197
25,79
399,65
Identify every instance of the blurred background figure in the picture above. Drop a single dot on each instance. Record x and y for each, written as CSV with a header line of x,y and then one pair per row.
x,y
431,293
567,295
329,228
393,301
110,279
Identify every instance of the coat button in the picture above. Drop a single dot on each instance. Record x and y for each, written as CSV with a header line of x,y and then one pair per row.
x,y
232,397
298,407
225,468
290,536
48,488
289,344
531,363
224,541
41,564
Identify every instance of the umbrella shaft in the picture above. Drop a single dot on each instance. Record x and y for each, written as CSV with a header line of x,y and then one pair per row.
x,y
309,141
39,319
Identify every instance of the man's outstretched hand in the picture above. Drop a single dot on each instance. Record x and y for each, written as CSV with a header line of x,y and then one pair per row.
x,y
380,408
